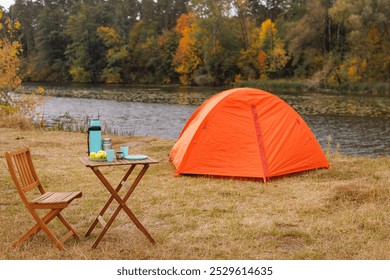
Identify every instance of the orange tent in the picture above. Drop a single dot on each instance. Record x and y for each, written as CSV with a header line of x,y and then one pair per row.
x,y
246,132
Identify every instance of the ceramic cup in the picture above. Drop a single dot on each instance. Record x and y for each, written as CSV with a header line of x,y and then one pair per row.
x,y
110,155
119,155
125,150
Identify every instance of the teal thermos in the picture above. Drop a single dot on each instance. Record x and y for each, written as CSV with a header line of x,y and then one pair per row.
x,y
94,136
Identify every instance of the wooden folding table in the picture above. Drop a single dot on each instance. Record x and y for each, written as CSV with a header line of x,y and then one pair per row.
x,y
95,167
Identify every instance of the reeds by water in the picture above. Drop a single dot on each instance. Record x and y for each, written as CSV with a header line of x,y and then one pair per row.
x,y
68,123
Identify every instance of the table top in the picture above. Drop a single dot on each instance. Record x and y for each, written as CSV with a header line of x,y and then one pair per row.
x,y
91,163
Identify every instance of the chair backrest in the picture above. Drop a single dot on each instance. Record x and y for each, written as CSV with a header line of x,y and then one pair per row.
x,y
27,179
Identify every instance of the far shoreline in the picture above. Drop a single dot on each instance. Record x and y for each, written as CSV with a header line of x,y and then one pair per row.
x,y
290,86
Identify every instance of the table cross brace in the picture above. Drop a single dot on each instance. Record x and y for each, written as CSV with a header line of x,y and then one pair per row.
x,y
122,203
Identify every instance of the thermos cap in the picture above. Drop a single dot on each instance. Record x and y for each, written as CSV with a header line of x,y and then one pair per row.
x,y
95,122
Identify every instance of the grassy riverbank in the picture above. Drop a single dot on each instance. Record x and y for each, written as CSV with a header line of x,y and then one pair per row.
x,y
342,213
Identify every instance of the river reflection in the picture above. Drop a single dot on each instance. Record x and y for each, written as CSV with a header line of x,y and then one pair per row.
x,y
136,118
358,125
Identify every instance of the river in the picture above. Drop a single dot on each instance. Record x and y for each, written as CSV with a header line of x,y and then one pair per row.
x,y
357,125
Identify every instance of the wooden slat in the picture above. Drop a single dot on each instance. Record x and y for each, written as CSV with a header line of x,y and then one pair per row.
x,y
84,160
21,169
31,170
53,198
20,151
42,197
25,171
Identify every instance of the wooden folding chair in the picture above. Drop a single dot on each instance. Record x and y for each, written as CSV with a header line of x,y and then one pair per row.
x,y
53,201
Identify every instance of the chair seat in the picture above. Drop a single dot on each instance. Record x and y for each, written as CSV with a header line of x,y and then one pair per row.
x,y
56,197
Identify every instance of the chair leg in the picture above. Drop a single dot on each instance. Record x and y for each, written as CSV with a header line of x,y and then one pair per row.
x,y
49,233
68,226
42,224
35,229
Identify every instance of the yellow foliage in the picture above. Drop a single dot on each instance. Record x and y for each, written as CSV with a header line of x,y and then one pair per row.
x,y
109,36
352,69
9,64
17,25
356,68
263,76
352,72
266,53
186,57
10,49
116,54
267,34
184,80
279,57
112,77
79,74
10,80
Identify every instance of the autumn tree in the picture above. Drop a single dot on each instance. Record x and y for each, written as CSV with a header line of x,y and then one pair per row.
x,y
207,42
167,42
27,12
143,52
116,54
367,25
267,54
10,51
49,62
85,52
187,59
310,37
243,15
273,47
219,41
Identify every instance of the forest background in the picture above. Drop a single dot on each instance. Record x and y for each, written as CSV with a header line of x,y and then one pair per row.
x,y
203,42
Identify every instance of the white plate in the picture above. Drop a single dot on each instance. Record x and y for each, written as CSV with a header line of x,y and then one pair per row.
x,y
136,157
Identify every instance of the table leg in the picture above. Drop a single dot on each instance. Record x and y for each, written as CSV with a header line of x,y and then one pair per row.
x,y
129,212
121,202
109,201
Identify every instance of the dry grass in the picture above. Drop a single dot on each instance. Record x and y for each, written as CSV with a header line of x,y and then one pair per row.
x,y
16,120
341,213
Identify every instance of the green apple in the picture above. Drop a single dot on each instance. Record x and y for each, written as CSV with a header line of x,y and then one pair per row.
x,y
103,153
98,156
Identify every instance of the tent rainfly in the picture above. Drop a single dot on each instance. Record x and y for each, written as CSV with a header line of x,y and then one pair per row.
x,y
246,132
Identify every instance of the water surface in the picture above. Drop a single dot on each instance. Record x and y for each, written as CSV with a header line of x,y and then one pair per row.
x,y
357,125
